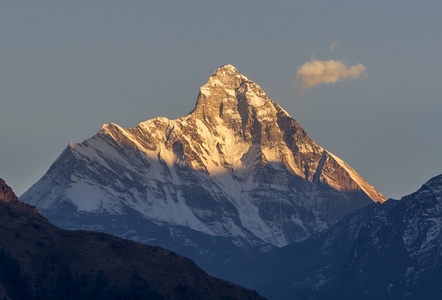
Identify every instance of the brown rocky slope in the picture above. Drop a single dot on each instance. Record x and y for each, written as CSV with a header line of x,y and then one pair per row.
x,y
8,195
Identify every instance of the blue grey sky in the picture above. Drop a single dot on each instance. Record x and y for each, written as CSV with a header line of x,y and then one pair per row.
x,y
67,67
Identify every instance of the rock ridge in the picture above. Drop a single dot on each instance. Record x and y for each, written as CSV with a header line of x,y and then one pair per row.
x,y
8,195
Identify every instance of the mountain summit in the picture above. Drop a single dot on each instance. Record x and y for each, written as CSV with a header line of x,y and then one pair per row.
x,y
238,173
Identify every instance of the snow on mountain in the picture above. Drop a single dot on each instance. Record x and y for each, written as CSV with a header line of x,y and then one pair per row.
x,y
38,260
398,255
388,251
238,170
307,269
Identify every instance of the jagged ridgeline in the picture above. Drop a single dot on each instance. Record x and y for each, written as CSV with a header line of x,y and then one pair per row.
x,y
236,176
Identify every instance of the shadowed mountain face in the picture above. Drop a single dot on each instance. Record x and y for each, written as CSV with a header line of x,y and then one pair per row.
x,y
41,261
309,268
388,251
236,177
398,255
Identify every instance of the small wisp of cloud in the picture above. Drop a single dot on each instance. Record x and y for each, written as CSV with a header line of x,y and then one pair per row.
x,y
317,72
333,46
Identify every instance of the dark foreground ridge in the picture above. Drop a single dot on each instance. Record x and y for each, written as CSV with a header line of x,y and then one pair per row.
x,y
41,261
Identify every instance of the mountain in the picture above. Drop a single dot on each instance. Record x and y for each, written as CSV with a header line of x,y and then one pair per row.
x,y
388,251
41,261
236,177
399,255
8,195
307,268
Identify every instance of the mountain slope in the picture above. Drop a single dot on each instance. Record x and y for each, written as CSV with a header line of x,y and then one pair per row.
x,y
8,195
238,175
304,269
388,251
41,261
398,255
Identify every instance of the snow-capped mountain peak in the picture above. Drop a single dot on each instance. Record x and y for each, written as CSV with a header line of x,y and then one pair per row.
x,y
230,95
238,168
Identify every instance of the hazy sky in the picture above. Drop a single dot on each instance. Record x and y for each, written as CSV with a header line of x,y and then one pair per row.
x,y
67,67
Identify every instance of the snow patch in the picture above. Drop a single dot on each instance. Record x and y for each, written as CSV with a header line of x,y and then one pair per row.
x,y
253,99
205,90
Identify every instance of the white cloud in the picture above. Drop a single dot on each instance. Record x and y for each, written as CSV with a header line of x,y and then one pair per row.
x,y
317,72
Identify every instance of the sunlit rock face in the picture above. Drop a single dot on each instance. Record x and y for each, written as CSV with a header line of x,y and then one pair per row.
x,y
237,174
8,195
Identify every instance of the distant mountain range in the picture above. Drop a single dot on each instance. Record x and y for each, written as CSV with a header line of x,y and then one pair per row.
x,y
399,255
236,177
41,261
388,251
309,268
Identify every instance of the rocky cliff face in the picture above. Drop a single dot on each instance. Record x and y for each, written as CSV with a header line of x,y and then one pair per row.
x,y
238,173
8,195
